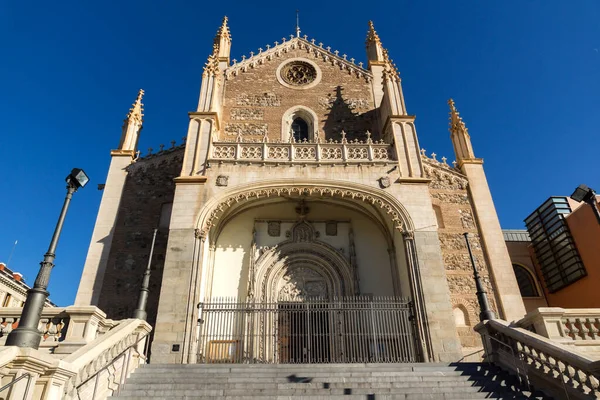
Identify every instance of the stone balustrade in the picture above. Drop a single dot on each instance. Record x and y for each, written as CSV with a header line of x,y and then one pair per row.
x,y
579,327
64,329
94,371
331,152
541,362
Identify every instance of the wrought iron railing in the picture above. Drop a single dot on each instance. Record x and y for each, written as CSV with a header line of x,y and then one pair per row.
x,y
345,330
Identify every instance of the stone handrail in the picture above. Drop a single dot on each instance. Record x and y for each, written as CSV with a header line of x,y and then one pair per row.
x,y
546,364
64,329
564,325
302,152
94,358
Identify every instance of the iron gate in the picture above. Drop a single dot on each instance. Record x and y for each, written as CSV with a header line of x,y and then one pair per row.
x,y
347,330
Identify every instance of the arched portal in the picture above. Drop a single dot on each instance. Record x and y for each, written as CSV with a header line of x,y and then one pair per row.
x,y
279,245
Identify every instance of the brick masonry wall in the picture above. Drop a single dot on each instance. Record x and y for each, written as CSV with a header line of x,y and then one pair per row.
x,y
149,185
255,101
454,212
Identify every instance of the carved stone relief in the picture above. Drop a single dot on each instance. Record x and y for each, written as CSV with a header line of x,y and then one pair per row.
x,y
222,180
443,179
302,282
331,228
245,129
352,104
274,228
247,114
261,100
451,198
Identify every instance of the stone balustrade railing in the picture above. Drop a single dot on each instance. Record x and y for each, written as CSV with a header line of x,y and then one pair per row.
x,y
94,371
545,364
103,365
64,329
564,325
303,152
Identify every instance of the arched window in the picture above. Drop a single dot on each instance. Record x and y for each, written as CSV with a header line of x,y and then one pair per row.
x,y
526,281
299,129
438,216
460,316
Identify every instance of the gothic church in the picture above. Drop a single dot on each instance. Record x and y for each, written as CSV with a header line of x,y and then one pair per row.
x,y
299,221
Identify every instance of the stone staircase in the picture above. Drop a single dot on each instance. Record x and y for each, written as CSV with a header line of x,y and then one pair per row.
x,y
324,381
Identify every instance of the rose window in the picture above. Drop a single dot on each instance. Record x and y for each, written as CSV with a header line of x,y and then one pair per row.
x,y
298,73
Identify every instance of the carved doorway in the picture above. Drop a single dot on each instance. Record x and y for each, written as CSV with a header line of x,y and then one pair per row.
x,y
303,327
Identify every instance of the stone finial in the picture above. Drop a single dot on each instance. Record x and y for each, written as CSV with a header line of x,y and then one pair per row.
x,y
328,48
433,156
369,140
150,150
336,52
276,43
268,46
344,140
454,163
137,108
444,159
212,63
372,35
305,37
360,64
234,61
291,37
173,144
423,151
459,134
321,44
223,30
184,139
161,146
312,41
260,50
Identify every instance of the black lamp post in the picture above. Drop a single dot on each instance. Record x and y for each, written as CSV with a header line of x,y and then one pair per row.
x,y
27,333
484,305
140,311
588,195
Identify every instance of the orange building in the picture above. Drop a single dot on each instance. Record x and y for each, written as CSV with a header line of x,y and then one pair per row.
x,y
565,251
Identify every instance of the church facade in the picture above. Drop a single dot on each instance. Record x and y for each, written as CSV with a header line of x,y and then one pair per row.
x,y
300,182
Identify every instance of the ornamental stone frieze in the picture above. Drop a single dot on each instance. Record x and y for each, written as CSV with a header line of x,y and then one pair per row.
x,y
245,128
247,114
258,100
451,197
295,43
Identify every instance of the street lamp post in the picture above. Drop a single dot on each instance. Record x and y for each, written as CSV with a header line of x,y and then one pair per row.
x,y
484,305
140,311
588,195
27,333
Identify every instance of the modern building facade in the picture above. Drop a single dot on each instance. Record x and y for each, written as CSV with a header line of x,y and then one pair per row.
x,y
565,238
301,199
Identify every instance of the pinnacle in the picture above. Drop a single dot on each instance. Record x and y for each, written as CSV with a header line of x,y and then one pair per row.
x,y
137,108
456,122
372,34
224,30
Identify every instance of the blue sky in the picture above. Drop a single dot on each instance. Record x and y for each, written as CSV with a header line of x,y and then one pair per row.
x,y
525,76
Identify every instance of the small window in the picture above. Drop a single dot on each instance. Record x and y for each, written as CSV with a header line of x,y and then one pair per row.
x,y
460,316
525,281
438,216
299,129
7,300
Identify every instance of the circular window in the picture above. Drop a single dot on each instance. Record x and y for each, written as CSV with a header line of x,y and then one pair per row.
x,y
298,74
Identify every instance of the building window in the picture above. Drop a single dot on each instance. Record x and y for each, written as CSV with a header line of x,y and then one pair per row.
x,y
299,129
460,316
554,247
526,281
7,300
438,216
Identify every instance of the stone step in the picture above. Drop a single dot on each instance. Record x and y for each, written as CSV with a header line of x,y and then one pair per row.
x,y
190,385
268,379
284,374
408,396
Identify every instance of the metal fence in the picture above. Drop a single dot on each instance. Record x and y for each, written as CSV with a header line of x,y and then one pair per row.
x,y
345,330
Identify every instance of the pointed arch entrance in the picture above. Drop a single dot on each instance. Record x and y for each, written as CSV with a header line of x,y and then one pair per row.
x,y
283,279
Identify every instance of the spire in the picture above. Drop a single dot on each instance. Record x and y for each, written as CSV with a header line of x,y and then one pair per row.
x,y
223,41
297,23
461,140
133,124
375,50
137,108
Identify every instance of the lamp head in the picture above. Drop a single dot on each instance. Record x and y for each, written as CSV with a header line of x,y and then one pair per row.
x,y
582,193
78,178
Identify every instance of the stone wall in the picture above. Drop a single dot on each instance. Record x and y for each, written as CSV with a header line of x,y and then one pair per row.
x,y
448,189
255,101
148,187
